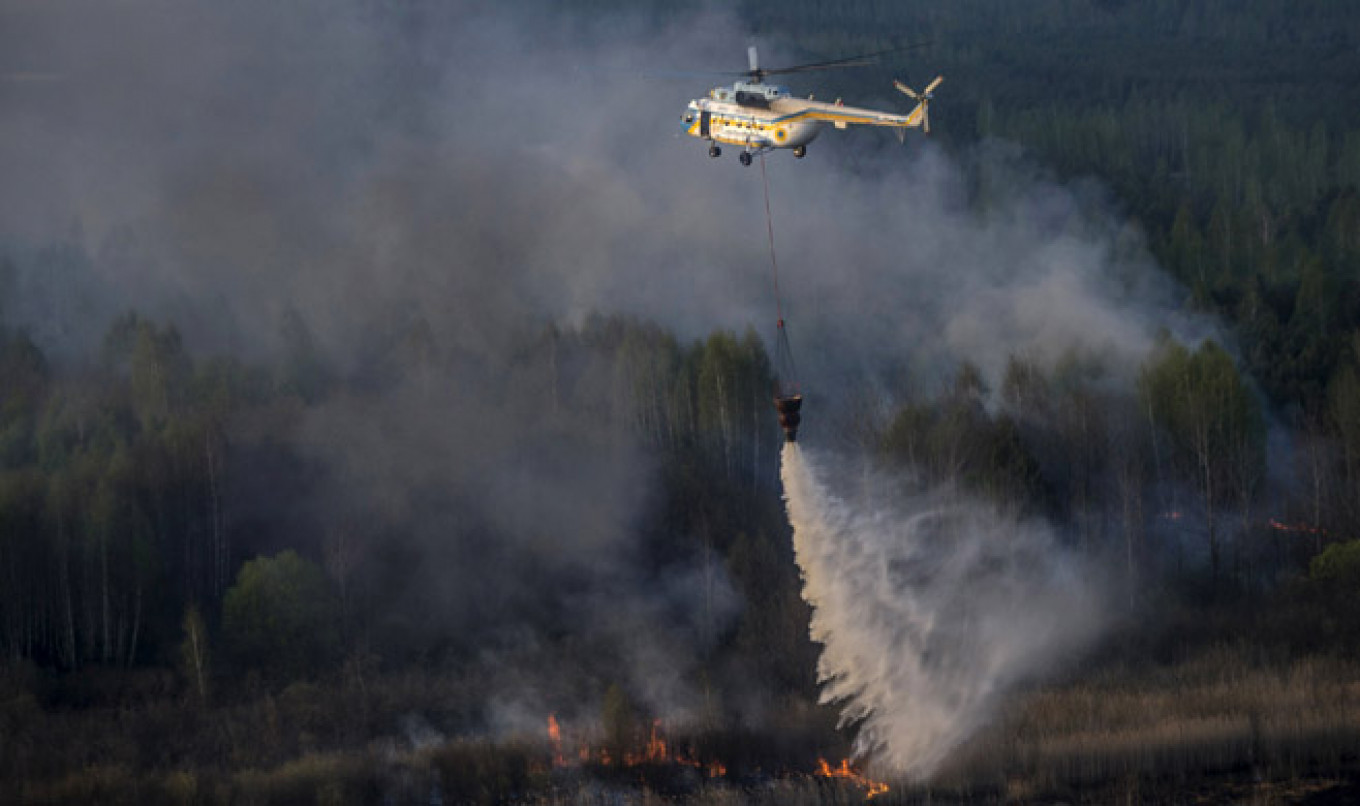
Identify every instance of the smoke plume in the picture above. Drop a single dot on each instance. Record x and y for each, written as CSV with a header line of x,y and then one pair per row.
x,y
929,609
371,185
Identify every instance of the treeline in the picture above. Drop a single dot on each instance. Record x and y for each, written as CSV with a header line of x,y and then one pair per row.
x,y
125,484
142,490
1257,216
111,497
1169,479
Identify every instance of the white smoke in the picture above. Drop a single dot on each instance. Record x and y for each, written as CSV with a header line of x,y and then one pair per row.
x,y
929,608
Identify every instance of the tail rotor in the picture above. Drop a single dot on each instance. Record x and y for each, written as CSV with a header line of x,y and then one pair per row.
x,y
922,101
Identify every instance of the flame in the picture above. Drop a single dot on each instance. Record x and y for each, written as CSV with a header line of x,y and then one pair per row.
x,y
845,771
656,751
1274,523
656,744
713,769
555,739
1297,527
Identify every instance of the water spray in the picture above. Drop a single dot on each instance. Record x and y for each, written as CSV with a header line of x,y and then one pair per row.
x,y
929,609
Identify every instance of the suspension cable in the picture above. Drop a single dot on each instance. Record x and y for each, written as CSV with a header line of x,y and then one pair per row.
x,y
786,374
769,229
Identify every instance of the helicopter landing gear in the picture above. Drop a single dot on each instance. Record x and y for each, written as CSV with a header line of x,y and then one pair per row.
x,y
714,151
800,151
745,158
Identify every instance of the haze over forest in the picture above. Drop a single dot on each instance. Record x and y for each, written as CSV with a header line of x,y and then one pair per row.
x,y
379,380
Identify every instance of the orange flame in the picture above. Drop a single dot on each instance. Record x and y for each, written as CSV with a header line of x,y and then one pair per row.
x,y
656,748
1297,527
845,771
1274,523
656,751
555,739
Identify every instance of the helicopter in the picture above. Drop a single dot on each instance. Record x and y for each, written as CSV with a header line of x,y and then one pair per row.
x,y
759,117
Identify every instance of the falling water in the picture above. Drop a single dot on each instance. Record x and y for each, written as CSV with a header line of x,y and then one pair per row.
x,y
929,608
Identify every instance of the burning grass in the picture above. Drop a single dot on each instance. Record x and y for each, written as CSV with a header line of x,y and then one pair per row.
x,y
1224,725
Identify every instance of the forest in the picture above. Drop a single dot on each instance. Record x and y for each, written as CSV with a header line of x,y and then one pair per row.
x,y
423,510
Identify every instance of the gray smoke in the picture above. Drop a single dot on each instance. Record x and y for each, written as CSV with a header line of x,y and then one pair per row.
x,y
365,168
225,164
930,607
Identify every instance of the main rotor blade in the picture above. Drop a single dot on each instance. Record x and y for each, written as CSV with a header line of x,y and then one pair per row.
x,y
932,85
647,72
752,59
808,68
851,61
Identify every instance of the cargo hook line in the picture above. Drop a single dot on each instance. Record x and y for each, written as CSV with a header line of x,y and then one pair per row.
x,y
769,230
787,399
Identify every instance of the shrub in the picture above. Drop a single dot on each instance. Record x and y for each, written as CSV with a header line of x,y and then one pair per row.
x,y
280,617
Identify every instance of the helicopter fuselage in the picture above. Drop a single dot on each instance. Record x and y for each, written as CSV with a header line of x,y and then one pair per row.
x,y
753,118
758,116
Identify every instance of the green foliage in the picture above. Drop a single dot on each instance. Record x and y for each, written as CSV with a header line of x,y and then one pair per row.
x,y
1215,426
733,388
1202,401
155,364
1338,566
955,440
1334,582
122,507
280,617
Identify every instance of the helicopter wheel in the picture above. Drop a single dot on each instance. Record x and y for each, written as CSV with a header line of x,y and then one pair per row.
x,y
800,151
714,151
745,158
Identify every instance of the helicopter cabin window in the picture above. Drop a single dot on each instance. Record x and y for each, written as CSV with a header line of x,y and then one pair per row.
x,y
755,99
